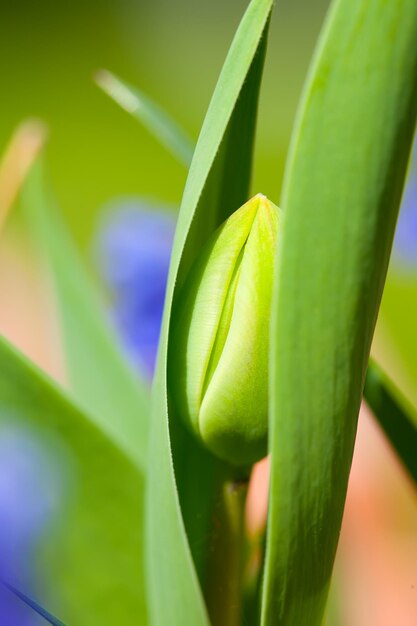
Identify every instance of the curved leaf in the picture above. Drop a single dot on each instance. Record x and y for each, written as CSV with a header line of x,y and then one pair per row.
x,y
341,196
100,378
148,113
217,185
90,559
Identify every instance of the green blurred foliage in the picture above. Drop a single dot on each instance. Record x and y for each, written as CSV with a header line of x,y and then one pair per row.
x,y
396,339
49,52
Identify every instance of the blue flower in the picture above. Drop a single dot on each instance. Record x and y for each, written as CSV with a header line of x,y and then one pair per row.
x,y
134,250
29,494
405,244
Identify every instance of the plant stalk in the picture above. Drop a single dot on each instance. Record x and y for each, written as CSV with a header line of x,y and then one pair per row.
x,y
225,569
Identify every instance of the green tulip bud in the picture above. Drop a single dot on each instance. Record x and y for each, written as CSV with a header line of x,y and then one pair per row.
x,y
218,353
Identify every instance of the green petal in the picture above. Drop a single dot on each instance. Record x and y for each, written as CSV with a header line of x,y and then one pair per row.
x,y
198,313
234,412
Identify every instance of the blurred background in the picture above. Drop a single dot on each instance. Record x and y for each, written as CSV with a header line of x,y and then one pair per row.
x,y
99,157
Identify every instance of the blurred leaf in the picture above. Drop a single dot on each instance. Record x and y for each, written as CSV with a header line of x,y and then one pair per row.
x,y
92,571
33,605
16,162
399,314
148,113
100,378
396,418
341,195
181,500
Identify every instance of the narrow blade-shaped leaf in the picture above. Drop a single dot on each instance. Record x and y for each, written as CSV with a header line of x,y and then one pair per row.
x,y
100,378
48,617
150,114
341,195
397,420
89,563
22,150
217,184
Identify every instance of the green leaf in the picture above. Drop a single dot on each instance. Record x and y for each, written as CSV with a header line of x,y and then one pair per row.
x,y
341,195
183,483
22,150
397,419
148,113
90,556
100,378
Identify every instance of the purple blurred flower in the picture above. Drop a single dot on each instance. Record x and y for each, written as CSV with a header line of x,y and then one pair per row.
x,y
134,249
405,244
29,494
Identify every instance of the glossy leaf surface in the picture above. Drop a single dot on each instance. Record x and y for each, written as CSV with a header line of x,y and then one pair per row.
x,y
340,201
217,185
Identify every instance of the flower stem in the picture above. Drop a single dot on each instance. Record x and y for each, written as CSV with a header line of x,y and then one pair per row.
x,y
225,572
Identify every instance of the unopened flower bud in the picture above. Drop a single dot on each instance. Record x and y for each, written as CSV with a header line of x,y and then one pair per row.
x,y
218,353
